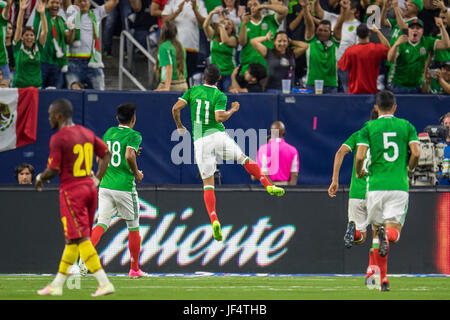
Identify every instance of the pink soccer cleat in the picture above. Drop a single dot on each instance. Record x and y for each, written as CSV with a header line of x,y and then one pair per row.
x,y
137,274
49,291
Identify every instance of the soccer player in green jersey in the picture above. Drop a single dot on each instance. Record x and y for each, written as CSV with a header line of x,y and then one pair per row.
x,y
208,111
388,138
117,193
357,210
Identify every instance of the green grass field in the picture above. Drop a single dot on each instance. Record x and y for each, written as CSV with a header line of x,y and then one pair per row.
x,y
233,288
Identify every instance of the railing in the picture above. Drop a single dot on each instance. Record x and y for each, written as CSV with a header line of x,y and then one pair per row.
x,y
122,69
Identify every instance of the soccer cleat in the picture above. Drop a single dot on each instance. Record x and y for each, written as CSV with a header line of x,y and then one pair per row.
x,y
349,236
83,268
217,232
103,291
275,191
384,242
385,286
137,274
49,291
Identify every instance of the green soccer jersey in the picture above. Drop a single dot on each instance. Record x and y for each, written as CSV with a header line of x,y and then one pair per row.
x,y
357,186
223,56
205,100
56,30
407,69
388,138
119,175
249,54
435,87
3,52
167,55
441,55
28,66
321,61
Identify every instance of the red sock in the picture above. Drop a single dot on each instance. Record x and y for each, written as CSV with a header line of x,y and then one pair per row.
x,y
210,202
392,234
253,168
358,236
97,233
134,245
382,264
370,269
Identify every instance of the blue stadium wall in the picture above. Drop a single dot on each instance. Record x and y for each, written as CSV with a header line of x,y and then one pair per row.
x,y
316,125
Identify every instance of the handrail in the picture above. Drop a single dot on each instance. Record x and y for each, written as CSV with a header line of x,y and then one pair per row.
x,y
122,69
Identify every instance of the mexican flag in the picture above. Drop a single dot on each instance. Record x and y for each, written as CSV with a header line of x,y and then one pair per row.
x,y
18,117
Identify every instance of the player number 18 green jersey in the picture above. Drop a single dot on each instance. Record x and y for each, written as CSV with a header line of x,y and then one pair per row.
x,y
119,175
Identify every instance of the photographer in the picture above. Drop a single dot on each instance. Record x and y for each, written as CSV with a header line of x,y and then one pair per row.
x,y
445,121
437,81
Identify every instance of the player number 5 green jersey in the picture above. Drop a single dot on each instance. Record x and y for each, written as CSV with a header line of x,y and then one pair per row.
x,y
388,138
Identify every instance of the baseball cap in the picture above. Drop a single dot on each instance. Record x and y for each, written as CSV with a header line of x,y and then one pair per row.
x,y
415,21
418,3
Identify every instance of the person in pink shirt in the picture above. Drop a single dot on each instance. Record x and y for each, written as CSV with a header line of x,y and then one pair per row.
x,y
278,159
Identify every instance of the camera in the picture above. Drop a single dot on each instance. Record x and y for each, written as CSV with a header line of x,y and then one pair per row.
x,y
431,166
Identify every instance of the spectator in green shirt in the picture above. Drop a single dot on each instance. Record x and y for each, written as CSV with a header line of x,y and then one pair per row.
x,y
255,25
409,54
26,52
222,36
321,54
170,67
439,82
4,17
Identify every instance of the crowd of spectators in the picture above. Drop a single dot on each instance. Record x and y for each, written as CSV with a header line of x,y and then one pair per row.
x,y
351,46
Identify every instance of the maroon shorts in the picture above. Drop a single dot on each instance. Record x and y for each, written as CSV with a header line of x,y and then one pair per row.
x,y
77,205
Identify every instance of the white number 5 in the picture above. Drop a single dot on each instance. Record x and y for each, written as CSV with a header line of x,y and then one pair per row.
x,y
390,144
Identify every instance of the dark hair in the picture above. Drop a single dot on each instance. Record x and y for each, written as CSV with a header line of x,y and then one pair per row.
x,y
212,74
125,112
257,70
362,31
325,22
28,28
77,83
64,107
373,114
236,5
385,100
20,168
289,51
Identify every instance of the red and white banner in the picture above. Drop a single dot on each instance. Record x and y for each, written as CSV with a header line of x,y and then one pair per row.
x,y
18,117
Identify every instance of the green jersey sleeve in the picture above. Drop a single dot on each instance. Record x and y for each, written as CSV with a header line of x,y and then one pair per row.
x,y
363,137
351,141
412,133
134,141
186,96
221,102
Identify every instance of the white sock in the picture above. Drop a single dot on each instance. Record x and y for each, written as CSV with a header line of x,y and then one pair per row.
x,y
101,277
58,281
